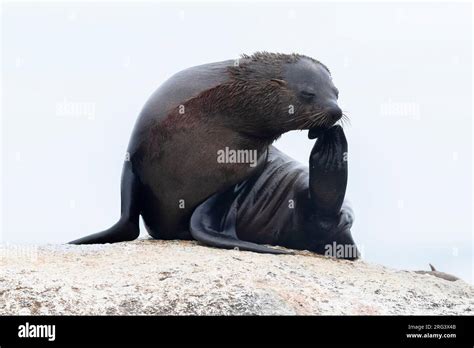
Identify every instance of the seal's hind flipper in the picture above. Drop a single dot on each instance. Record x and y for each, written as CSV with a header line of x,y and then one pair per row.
x,y
126,228
213,223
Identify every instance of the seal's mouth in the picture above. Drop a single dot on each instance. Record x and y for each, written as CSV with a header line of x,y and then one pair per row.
x,y
328,119
316,132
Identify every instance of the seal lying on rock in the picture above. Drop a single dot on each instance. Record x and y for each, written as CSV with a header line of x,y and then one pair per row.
x,y
200,164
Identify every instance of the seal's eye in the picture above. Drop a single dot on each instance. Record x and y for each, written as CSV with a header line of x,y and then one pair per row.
x,y
307,94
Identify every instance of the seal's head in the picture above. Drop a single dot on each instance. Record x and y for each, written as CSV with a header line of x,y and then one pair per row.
x,y
311,83
273,93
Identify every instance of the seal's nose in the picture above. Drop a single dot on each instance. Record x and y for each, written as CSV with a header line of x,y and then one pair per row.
x,y
334,113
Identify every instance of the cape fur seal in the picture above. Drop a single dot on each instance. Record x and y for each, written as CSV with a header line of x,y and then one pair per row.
x,y
201,166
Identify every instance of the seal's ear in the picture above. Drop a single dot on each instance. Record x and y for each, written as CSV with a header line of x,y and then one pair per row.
x,y
280,82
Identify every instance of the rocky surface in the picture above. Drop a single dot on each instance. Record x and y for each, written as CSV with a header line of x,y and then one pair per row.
x,y
176,277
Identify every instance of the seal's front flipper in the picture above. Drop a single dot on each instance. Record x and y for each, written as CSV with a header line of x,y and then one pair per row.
x,y
126,228
213,223
328,172
330,218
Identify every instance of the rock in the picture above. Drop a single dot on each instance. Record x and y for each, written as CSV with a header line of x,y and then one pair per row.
x,y
185,278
